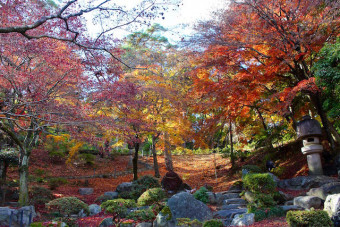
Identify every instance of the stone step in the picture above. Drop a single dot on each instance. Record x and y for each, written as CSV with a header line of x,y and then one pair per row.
x,y
234,201
232,191
229,213
287,208
232,206
227,221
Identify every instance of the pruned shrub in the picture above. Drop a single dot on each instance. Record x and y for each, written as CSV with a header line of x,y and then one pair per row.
x,y
148,181
118,207
141,215
259,183
67,206
213,223
40,195
151,196
167,213
54,183
263,213
202,195
308,218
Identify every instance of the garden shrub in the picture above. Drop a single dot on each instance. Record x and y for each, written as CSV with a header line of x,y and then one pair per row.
x,y
139,186
141,215
213,223
40,195
263,213
166,211
262,200
67,206
54,183
148,181
188,222
259,183
252,168
202,195
118,206
87,158
308,218
151,196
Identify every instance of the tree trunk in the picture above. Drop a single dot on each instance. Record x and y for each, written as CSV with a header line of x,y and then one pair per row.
x,y
167,153
135,162
318,105
154,154
268,139
23,179
232,158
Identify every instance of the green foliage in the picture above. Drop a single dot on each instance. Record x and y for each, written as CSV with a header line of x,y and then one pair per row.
x,y
140,186
40,195
202,195
54,183
167,212
263,213
102,198
308,218
141,215
118,206
262,200
151,196
279,171
252,168
67,206
39,172
259,183
188,222
327,73
9,155
213,223
87,158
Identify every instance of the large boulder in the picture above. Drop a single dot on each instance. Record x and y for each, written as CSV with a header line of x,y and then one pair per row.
x,y
308,202
184,205
305,182
94,209
325,190
125,187
332,205
243,219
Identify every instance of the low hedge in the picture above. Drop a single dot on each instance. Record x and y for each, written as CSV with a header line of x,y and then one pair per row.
x,y
313,218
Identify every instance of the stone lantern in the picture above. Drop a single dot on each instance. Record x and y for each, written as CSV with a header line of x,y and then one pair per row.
x,y
309,131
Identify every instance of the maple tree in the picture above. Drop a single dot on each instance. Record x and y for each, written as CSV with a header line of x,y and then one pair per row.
x,y
264,50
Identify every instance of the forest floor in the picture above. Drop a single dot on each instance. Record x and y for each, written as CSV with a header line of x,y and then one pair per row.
x,y
195,170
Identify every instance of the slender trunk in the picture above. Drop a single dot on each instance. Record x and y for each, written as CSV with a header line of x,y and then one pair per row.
x,y
167,153
232,158
318,105
135,162
154,154
334,133
23,179
268,139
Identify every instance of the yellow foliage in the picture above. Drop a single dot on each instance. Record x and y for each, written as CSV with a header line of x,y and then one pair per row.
x,y
74,150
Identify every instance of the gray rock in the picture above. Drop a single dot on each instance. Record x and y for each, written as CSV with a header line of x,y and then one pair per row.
x,y
123,187
5,212
308,202
275,178
184,205
243,219
234,201
233,206
325,190
290,202
229,213
290,207
106,222
306,182
221,196
332,205
286,196
162,221
144,224
249,196
26,211
112,195
94,209
85,191
212,198
82,213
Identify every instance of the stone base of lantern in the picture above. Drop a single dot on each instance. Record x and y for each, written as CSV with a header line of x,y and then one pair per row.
x,y
313,152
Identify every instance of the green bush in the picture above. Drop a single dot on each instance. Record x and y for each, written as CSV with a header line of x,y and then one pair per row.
x,y
151,196
213,223
313,218
167,212
118,206
259,183
87,158
202,195
188,222
262,200
40,195
263,213
67,206
148,181
54,183
134,194
252,168
141,215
